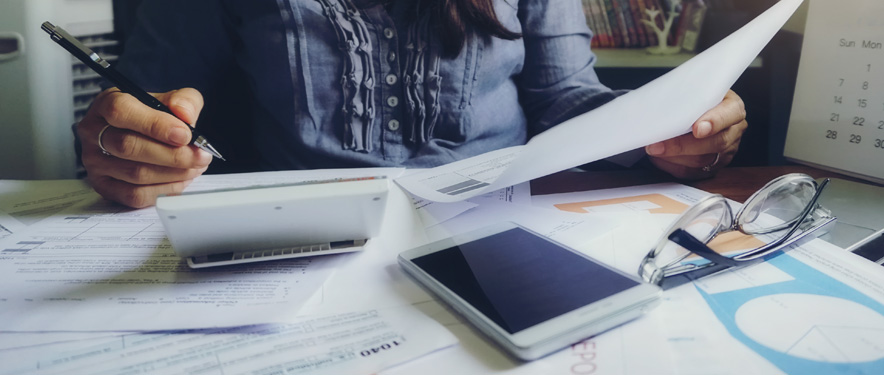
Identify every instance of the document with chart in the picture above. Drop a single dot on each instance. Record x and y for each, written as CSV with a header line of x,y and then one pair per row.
x,y
816,309
662,109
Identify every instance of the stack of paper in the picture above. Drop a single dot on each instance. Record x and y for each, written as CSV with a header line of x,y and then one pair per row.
x,y
79,272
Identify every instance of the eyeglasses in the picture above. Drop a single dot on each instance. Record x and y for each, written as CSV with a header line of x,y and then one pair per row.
x,y
783,214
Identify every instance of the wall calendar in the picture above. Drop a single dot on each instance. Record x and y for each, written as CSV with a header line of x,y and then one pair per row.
x,y
837,120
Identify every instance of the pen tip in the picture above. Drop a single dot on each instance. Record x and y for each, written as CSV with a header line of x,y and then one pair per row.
x,y
201,143
211,150
216,154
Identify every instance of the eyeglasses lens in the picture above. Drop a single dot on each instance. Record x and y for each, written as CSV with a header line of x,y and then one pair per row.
x,y
776,207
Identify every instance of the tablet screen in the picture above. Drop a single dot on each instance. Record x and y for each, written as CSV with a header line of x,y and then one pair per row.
x,y
518,279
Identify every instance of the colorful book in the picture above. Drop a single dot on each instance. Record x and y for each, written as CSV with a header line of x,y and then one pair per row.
x,y
628,20
617,32
652,36
635,11
603,24
679,28
693,21
609,31
589,15
667,9
616,17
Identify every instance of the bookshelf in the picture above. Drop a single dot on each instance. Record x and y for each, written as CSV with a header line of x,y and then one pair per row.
x,y
622,33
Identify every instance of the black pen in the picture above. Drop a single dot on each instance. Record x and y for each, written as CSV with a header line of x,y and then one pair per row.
x,y
102,67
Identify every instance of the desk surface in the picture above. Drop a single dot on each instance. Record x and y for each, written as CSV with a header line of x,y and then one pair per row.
x,y
734,183
374,271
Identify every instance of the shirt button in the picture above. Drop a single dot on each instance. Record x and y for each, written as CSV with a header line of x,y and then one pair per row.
x,y
392,56
393,125
389,33
392,101
391,79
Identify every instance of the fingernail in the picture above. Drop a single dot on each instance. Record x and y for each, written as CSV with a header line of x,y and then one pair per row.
x,y
179,136
704,128
205,158
655,149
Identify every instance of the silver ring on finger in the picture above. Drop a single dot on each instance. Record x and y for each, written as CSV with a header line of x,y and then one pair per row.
x,y
709,167
100,145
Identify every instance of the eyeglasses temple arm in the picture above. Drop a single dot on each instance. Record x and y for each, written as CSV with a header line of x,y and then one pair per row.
x,y
720,262
692,244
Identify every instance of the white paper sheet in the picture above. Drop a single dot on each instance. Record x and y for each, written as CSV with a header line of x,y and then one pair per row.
x,y
647,210
106,268
343,343
10,341
23,203
568,228
629,349
662,109
433,213
9,225
372,278
668,198
376,269
22,360
117,272
518,194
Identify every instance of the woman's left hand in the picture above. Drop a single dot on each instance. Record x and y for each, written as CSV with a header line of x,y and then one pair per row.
x,y
712,143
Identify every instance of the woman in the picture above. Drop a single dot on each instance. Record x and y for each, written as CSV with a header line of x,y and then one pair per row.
x,y
295,84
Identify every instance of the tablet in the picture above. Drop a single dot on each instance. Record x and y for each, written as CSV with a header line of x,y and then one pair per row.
x,y
527,293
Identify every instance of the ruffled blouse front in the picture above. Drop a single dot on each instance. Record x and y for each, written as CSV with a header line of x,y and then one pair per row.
x,y
338,83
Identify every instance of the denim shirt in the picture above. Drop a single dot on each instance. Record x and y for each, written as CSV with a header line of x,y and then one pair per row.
x,y
298,84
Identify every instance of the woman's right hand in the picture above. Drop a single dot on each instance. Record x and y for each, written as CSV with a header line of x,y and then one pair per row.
x,y
148,151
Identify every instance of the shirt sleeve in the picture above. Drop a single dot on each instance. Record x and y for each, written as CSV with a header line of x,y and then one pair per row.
x,y
177,44
558,81
193,43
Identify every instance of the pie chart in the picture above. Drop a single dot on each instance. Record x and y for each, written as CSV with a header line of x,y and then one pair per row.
x,y
815,327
